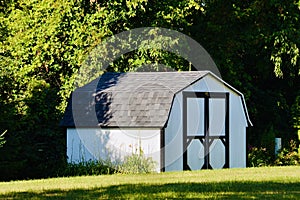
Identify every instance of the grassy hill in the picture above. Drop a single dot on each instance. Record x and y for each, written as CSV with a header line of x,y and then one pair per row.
x,y
250,183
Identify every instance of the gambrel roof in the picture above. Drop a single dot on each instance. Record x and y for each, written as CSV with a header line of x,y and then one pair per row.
x,y
134,99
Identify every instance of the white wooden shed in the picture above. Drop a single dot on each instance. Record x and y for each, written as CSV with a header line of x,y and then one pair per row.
x,y
183,120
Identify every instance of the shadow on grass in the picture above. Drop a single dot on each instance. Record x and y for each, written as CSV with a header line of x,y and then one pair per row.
x,y
228,190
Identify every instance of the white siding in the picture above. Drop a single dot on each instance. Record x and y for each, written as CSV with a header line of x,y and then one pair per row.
x,y
237,135
173,137
85,144
237,127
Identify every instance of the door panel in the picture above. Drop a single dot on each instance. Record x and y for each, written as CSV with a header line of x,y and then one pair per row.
x,y
217,114
217,154
195,155
195,116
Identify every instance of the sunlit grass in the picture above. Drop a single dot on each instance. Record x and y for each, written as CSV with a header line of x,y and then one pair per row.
x,y
251,183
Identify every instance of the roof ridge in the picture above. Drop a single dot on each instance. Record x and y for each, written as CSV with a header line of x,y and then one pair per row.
x,y
202,71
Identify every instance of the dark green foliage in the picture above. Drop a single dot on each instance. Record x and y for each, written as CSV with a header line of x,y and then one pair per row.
x,y
2,139
296,113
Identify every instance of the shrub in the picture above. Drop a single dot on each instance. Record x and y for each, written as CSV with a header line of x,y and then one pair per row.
x,y
137,163
84,168
259,157
288,156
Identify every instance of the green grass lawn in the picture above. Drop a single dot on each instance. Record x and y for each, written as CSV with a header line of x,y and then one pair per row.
x,y
250,183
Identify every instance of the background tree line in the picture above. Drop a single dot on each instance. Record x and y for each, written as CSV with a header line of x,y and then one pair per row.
x,y
255,45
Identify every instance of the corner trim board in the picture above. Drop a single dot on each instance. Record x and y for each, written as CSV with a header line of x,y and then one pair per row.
x,y
162,150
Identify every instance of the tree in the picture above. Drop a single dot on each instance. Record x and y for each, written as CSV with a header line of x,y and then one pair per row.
x,y
42,46
253,42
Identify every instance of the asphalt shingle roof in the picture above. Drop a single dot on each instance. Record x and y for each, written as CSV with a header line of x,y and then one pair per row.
x,y
135,99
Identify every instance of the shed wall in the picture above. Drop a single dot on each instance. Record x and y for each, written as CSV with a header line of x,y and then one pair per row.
x,y
85,144
237,128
